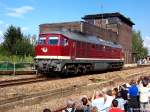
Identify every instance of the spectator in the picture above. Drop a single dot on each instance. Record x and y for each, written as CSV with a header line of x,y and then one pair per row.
x,y
121,101
115,107
144,95
99,102
133,96
124,94
123,91
86,104
109,98
70,106
79,107
46,110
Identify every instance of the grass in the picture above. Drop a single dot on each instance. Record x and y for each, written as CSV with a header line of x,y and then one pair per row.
x,y
15,58
7,62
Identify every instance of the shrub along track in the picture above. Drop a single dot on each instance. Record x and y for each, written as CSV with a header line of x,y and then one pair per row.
x,y
88,83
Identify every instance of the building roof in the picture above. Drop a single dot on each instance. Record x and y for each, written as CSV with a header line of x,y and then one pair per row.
x,y
108,15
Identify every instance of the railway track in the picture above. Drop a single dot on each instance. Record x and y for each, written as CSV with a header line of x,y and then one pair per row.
x,y
36,98
16,82
22,81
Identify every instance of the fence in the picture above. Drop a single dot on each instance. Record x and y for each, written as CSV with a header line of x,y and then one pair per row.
x,y
7,67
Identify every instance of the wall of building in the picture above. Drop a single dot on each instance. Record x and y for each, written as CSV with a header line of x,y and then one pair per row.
x,y
125,39
123,33
44,28
108,35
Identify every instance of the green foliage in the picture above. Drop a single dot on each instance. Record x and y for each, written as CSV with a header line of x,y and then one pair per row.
x,y
16,44
137,45
24,48
11,36
15,58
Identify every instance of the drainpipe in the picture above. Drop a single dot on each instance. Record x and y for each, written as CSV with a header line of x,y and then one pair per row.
x,y
81,26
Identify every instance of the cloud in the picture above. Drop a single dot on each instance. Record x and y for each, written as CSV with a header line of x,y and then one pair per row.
x,y
147,42
24,29
19,12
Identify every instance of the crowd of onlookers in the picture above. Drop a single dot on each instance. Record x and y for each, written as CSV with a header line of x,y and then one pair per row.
x,y
129,97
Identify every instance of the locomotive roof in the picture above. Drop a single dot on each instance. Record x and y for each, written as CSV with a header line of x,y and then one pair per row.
x,y
74,35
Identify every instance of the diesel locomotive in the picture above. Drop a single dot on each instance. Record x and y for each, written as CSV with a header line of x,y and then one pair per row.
x,y
67,51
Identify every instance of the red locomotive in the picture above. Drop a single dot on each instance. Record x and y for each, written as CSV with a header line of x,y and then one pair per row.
x,y
68,51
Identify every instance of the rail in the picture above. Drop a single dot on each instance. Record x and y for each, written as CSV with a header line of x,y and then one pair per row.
x,y
22,81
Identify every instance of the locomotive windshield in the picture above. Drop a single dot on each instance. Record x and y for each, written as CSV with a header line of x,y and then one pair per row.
x,y
53,40
42,40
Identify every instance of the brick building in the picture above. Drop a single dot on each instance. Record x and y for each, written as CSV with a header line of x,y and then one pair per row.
x,y
119,24
108,26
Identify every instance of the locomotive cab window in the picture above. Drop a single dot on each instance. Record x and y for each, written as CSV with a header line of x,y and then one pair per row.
x,y
42,40
53,40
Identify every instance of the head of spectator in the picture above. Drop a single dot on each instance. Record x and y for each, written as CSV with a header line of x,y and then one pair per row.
x,y
94,109
84,100
119,95
145,83
46,110
114,103
70,103
97,95
79,107
132,82
146,78
109,92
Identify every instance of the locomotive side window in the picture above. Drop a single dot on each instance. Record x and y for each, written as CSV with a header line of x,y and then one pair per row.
x,y
53,40
65,42
42,40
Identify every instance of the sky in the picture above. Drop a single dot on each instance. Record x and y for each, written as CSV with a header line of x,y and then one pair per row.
x,y
29,14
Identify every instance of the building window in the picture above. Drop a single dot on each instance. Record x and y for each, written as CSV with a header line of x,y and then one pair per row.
x,y
113,20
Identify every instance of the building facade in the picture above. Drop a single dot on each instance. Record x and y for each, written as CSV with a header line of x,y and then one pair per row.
x,y
119,24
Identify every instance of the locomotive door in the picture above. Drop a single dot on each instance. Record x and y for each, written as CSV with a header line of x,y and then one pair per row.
x,y
73,50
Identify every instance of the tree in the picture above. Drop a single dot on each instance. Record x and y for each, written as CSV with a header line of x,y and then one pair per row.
x,y
24,48
11,36
137,45
15,43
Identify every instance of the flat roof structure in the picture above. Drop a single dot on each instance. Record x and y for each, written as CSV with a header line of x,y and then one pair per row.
x,y
109,15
